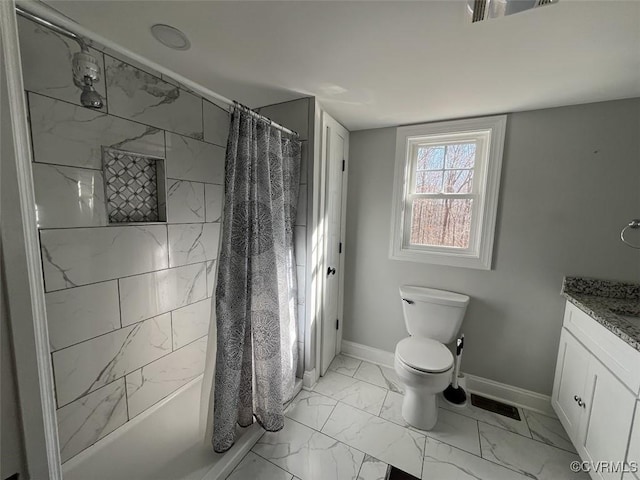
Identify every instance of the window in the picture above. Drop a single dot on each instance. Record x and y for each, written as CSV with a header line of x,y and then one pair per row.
x,y
445,194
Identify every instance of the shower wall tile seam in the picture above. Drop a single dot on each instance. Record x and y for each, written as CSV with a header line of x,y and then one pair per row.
x,y
128,276
32,92
58,406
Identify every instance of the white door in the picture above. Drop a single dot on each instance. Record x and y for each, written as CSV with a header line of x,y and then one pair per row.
x,y
334,155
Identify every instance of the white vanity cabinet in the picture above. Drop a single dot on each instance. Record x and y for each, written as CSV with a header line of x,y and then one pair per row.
x,y
595,390
633,455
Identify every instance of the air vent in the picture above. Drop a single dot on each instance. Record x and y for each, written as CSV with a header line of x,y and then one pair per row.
x,y
485,9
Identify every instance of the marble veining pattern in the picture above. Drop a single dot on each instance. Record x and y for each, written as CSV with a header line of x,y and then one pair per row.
x,y
190,323
211,277
85,421
47,63
158,379
214,198
378,375
345,365
463,445
216,123
353,392
193,242
372,469
548,430
607,302
66,134
68,197
254,466
379,438
527,456
74,257
87,366
94,272
309,454
78,314
150,294
517,426
443,461
189,159
185,201
311,409
452,428
137,95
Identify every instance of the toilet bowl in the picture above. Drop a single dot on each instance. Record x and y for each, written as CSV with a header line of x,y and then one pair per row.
x,y
422,361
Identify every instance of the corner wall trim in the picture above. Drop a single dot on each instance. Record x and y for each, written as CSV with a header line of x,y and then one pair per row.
x,y
309,379
483,386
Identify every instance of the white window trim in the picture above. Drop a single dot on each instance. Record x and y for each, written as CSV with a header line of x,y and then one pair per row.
x,y
479,254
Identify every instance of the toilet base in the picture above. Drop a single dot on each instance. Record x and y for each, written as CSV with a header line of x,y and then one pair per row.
x,y
420,409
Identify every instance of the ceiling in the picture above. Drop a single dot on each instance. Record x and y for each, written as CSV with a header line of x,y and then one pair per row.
x,y
374,64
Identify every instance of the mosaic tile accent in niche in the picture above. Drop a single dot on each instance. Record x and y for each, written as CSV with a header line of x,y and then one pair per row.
x,y
134,186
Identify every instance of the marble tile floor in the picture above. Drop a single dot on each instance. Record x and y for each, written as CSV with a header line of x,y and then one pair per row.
x,y
350,427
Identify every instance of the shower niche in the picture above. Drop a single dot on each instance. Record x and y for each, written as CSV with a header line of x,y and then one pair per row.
x,y
135,187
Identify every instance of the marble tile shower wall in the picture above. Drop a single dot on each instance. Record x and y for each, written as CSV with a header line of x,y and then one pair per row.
x,y
128,306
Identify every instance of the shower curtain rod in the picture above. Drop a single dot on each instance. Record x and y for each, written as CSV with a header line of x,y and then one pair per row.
x,y
51,18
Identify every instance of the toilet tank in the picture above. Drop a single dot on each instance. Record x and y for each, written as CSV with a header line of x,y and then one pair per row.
x,y
431,313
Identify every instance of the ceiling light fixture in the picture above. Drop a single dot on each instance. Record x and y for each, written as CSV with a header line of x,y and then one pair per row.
x,y
170,36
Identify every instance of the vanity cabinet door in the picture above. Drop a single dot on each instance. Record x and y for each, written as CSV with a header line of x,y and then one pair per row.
x,y
569,384
609,407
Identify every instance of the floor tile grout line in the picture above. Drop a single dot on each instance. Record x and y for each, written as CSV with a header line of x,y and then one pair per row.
x,y
263,458
360,380
342,442
328,417
528,438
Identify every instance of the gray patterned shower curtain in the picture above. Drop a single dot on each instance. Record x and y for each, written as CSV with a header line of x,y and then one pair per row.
x,y
256,291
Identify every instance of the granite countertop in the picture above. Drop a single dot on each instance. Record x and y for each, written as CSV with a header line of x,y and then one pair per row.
x,y
608,303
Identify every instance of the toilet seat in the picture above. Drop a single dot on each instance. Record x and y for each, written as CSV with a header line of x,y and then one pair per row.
x,y
424,354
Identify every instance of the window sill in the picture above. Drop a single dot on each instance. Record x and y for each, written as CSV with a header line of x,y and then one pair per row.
x,y
475,261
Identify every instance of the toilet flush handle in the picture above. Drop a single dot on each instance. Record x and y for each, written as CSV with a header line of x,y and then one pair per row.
x,y
410,302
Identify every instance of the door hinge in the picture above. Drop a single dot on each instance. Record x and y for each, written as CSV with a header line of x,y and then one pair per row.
x,y
337,324
343,164
340,247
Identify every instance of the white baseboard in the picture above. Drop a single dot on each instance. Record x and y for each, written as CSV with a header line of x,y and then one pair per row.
x,y
482,386
509,394
369,354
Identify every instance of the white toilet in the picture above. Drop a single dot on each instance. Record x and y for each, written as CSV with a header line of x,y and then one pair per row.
x,y
423,363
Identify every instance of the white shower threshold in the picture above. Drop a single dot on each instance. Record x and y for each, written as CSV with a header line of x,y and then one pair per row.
x,y
163,443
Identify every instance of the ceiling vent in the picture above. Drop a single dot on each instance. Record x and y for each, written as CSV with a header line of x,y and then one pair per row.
x,y
486,9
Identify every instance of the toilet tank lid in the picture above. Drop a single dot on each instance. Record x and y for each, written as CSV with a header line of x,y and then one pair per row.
x,y
424,294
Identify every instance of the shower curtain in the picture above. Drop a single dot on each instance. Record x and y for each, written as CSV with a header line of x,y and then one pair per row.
x,y
255,295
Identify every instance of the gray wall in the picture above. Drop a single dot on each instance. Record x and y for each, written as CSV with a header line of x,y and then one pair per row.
x,y
570,181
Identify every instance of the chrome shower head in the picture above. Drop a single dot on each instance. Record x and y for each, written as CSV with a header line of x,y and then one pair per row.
x,y
85,72
89,97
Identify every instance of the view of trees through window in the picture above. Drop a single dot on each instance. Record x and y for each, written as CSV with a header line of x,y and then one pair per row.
x,y
441,204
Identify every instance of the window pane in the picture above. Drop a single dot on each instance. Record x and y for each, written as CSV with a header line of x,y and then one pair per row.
x,y
441,222
458,181
461,155
430,158
429,182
